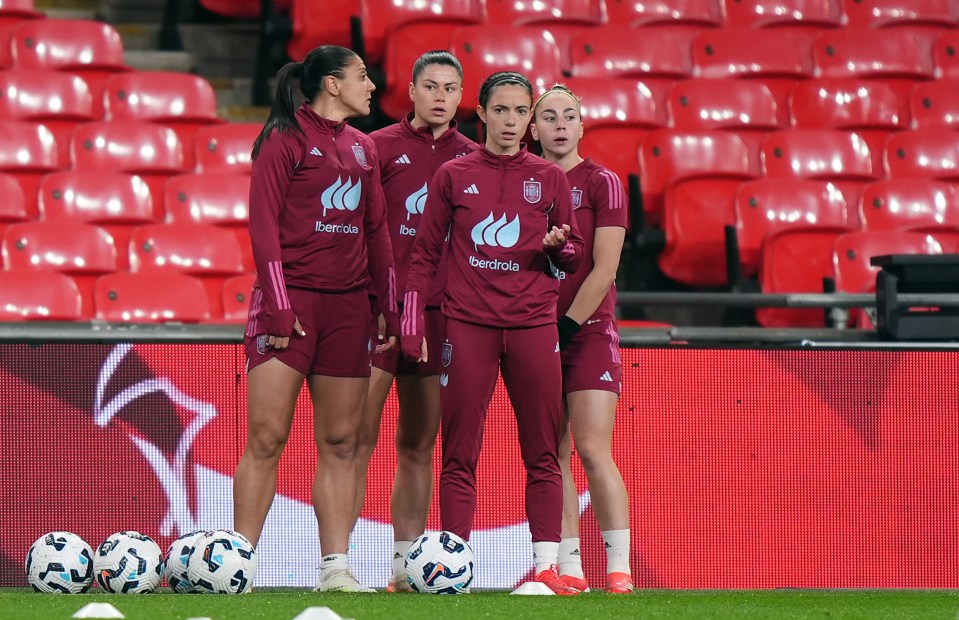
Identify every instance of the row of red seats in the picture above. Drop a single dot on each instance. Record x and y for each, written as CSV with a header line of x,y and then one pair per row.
x,y
122,297
86,252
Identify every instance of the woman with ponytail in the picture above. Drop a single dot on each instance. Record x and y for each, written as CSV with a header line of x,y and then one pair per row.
x,y
321,247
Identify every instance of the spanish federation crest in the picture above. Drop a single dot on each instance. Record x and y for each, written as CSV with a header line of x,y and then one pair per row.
x,y
532,191
577,198
360,154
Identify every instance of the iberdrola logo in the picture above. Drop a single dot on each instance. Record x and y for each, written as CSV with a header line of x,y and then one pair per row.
x,y
342,195
496,233
415,202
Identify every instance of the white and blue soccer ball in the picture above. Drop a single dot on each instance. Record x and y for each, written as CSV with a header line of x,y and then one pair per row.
x,y
177,559
440,563
128,563
61,563
222,562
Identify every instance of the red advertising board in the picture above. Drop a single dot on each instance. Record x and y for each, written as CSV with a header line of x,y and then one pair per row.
x,y
745,468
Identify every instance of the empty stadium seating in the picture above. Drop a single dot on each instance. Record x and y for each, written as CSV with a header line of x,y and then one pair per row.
x,y
150,297
226,147
485,49
39,296
91,49
852,252
785,13
945,55
12,12
208,252
935,104
146,149
404,46
825,154
236,298
909,204
766,206
683,19
82,251
116,201
242,9
923,19
378,19
320,23
57,99
931,153
28,151
13,207
181,101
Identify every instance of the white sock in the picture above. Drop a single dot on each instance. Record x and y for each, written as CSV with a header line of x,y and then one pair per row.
x,y
569,560
545,554
400,547
617,551
334,561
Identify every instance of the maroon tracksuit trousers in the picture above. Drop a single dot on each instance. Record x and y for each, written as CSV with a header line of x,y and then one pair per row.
x,y
530,363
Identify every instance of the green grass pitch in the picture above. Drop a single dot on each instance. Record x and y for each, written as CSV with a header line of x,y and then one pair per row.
x,y
284,604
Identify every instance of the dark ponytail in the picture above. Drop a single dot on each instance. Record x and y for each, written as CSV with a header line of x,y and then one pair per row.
x,y
321,62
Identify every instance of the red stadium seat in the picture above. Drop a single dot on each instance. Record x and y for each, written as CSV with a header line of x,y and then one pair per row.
x,y
242,9
13,207
115,201
796,260
152,297
57,99
39,296
225,147
853,250
909,204
182,101
12,12
91,49
870,107
931,153
209,252
825,154
617,50
936,104
27,151
634,13
404,46
320,23
79,250
151,151
746,107
236,298
618,112
216,199
667,156
695,214
378,19
777,13
766,206
925,19
564,19
776,59
485,49
893,56
945,55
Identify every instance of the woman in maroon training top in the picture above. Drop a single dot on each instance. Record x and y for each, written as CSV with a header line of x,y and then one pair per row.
x,y
410,152
589,341
318,227
509,220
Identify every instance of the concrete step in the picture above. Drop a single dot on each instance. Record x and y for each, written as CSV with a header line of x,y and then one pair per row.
x,y
124,11
139,35
227,50
156,60
68,9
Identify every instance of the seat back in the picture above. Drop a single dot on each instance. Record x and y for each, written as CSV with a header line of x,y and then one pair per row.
x,y
13,207
781,13
320,23
930,153
708,13
225,147
853,251
826,154
153,297
909,204
28,151
39,296
380,19
616,50
935,104
236,298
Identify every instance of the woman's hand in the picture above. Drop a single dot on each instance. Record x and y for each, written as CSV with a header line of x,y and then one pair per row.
x,y
556,237
278,343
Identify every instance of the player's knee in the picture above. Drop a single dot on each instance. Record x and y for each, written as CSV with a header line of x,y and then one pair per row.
x,y
266,446
415,450
338,445
594,456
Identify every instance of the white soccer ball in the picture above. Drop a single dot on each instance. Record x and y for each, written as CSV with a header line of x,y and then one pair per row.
x,y
440,563
222,562
176,561
128,563
60,562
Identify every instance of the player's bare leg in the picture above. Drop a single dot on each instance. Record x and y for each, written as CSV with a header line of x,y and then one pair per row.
x,y
337,410
570,562
271,398
416,431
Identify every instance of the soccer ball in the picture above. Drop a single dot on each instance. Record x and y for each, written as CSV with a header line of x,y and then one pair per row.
x,y
440,563
222,562
128,563
175,563
60,562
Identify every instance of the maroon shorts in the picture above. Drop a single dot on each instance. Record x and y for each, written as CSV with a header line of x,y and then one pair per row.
x,y
591,359
337,340
393,362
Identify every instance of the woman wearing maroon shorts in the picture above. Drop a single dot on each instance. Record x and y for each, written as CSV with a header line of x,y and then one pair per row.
x,y
318,227
589,341
510,223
